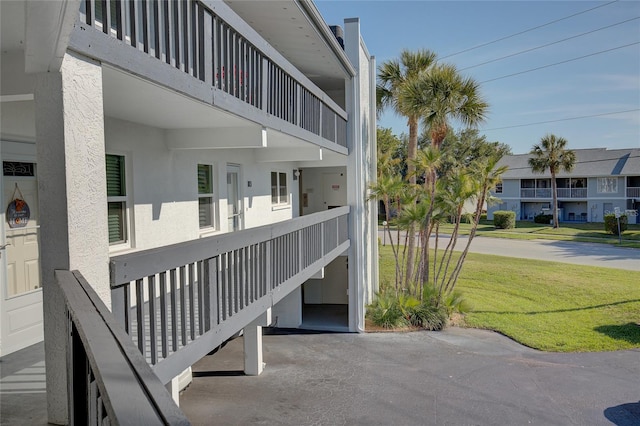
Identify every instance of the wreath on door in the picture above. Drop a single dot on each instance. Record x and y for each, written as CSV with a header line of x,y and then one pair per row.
x,y
18,212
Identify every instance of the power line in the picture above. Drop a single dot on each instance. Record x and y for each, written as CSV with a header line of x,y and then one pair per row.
x,y
527,30
559,63
548,44
561,119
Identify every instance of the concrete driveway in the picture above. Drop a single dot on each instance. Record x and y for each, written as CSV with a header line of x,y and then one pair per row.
x,y
455,377
603,255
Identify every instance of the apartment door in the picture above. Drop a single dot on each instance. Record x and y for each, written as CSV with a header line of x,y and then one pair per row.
x,y
21,307
607,208
334,190
234,200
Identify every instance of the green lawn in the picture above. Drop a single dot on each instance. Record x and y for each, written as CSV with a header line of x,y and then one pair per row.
x,y
582,232
547,305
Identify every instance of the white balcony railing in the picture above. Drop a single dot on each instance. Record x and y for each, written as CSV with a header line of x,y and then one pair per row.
x,y
190,36
572,192
633,192
179,302
546,192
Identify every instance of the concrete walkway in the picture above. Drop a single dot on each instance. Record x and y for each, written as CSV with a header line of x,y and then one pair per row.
x,y
594,254
455,377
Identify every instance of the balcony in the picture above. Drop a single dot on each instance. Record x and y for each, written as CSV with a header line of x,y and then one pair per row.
x,y
546,192
179,302
633,192
572,192
247,75
535,193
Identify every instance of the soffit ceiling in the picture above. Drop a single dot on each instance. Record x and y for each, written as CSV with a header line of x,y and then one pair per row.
x,y
289,29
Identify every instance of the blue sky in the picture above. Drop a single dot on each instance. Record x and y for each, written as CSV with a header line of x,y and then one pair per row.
x,y
602,83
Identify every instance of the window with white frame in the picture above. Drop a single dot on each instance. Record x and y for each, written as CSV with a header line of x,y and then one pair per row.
x,y
607,185
116,199
205,196
498,188
279,190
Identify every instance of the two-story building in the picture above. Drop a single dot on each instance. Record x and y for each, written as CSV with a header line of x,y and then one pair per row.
x,y
601,181
201,164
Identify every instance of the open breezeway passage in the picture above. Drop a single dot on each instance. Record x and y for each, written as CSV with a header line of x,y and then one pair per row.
x,y
459,376
593,254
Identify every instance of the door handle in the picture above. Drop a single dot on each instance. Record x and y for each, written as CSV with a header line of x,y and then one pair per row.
x,y
4,246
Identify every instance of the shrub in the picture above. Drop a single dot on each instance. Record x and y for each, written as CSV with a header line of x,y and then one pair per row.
x,y
455,302
385,312
611,223
504,219
429,317
543,218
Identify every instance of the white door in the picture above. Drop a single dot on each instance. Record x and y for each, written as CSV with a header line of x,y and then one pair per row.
x,y
334,190
234,201
21,307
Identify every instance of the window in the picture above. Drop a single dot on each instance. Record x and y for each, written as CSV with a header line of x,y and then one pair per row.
x,y
608,185
499,187
205,195
116,199
279,192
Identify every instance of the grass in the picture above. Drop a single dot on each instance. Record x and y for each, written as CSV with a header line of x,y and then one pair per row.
x,y
548,306
581,232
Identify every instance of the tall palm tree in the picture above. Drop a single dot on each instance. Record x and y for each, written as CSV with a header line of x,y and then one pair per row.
x,y
552,154
441,95
393,77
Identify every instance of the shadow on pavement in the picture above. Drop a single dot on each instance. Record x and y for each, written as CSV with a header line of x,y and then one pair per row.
x,y
624,414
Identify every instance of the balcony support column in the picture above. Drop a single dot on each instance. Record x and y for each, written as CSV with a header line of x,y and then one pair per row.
x,y
72,202
253,364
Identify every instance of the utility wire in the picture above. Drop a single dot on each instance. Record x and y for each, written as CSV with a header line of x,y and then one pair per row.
x,y
559,63
548,44
561,119
528,30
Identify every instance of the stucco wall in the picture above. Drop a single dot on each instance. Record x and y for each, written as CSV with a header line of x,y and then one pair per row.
x,y
162,184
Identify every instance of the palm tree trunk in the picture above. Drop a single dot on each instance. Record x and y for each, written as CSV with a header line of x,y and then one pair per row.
x,y
554,190
412,153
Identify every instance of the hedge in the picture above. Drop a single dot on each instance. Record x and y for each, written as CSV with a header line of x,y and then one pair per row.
x,y
611,223
543,218
504,219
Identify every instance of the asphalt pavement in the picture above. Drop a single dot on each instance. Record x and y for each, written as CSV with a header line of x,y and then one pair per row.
x,y
455,377
594,254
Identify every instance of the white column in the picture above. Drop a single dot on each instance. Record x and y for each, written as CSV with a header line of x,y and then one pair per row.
x,y
73,201
356,192
253,364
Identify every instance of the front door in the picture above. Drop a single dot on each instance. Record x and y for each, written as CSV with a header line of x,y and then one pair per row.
x,y
21,307
607,208
234,202
334,190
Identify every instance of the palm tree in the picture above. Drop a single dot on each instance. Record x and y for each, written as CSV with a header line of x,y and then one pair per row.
x,y
393,77
388,188
442,94
552,154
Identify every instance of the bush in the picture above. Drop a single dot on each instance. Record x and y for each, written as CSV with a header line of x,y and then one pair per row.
x,y
543,218
504,219
385,312
611,223
389,311
429,317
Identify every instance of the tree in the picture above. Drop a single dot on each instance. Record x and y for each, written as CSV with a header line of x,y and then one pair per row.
x,y
466,146
393,78
552,154
442,94
391,155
